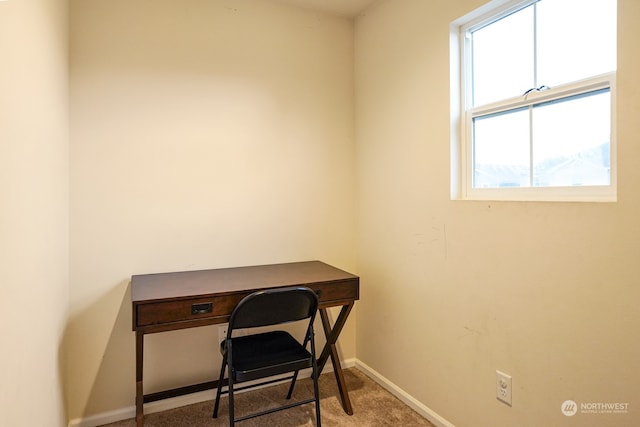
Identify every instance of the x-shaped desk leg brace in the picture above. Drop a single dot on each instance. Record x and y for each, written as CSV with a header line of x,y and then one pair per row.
x,y
330,349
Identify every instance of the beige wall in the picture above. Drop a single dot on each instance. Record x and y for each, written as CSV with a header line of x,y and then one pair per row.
x,y
34,212
204,134
453,290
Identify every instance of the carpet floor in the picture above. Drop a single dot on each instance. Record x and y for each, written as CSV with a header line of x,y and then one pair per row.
x,y
372,406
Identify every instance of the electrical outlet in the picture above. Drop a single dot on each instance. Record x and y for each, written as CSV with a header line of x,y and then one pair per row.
x,y
222,332
503,387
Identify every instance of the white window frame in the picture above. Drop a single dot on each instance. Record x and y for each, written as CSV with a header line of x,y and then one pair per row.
x,y
462,115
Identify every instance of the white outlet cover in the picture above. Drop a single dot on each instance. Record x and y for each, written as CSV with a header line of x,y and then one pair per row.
x,y
503,387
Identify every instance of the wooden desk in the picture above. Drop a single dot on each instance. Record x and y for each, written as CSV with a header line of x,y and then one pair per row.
x,y
170,301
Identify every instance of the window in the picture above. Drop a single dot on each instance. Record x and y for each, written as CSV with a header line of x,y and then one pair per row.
x,y
536,101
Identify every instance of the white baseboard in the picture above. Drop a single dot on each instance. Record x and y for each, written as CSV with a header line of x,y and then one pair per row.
x,y
203,396
104,418
405,397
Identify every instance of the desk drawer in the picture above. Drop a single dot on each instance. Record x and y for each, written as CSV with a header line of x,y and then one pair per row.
x,y
335,293
157,313
201,308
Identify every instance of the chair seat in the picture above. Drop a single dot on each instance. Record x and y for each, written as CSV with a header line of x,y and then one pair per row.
x,y
267,354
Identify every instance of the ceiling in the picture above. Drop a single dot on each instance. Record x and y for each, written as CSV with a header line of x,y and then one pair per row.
x,y
348,8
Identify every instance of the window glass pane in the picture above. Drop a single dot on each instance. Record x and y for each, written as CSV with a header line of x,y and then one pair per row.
x,y
576,39
501,150
503,58
571,141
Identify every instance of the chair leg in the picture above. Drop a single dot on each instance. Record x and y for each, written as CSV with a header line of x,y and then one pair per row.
x,y
232,416
317,395
314,376
293,383
219,392
231,376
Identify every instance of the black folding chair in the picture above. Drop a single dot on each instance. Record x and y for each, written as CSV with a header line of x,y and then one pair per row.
x,y
263,355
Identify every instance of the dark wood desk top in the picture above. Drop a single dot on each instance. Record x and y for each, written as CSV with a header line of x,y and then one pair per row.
x,y
188,284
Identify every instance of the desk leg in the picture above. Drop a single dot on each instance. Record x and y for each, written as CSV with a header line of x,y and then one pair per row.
x,y
330,349
139,370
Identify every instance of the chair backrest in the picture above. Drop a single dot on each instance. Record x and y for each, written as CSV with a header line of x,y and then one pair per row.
x,y
274,306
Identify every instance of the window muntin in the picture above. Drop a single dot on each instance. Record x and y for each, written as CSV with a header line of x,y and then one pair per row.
x,y
565,50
